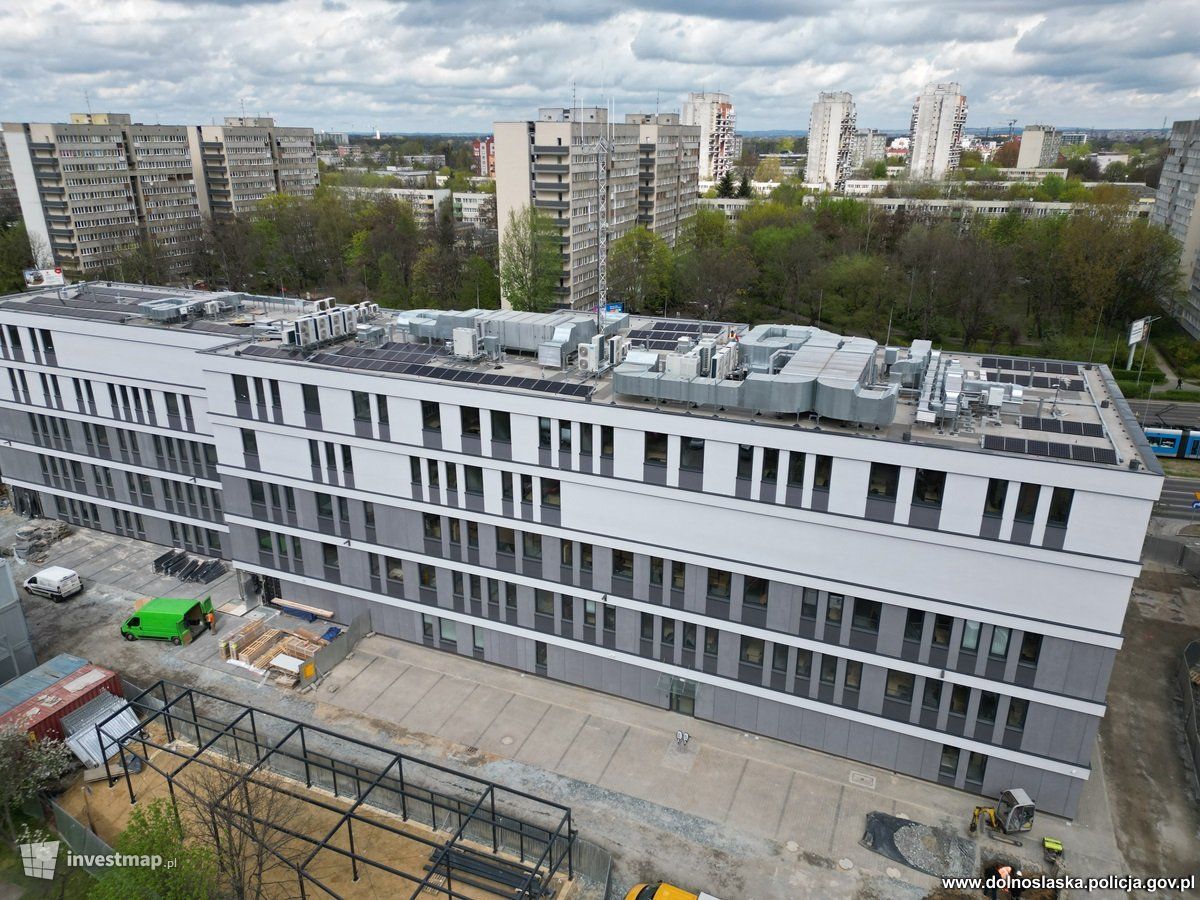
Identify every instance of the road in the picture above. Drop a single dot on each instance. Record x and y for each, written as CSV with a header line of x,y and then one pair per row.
x,y
1160,412
1177,497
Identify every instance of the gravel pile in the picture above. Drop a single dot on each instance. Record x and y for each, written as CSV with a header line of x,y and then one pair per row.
x,y
935,851
34,539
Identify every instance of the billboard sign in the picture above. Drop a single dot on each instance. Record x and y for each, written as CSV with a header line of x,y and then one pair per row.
x,y
39,278
1137,331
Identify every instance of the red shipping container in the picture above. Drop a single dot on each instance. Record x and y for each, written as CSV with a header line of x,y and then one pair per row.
x,y
42,715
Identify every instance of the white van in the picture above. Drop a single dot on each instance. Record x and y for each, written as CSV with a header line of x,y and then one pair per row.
x,y
55,582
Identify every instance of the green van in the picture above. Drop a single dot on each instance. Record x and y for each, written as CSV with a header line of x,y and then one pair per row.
x,y
172,619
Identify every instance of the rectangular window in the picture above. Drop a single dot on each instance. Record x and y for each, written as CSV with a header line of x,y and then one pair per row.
x,y
622,563
822,472
312,399
960,698
755,591
501,426
589,613
976,767
551,492
431,416
656,570
900,686
711,641
828,669
804,663
474,479
691,454
527,489
808,605
585,557
999,647
426,575
241,389
928,488
834,608
414,465
970,637
543,602
585,439
324,505
988,704
866,614
668,632
854,670
473,534
566,553
448,630
647,627
545,434
770,465
689,635
745,464
394,569
779,658
564,437
610,618
656,449
531,544
381,403
1031,649
541,654
948,766
914,625
607,442
506,541
362,406
329,554
249,442
885,481
795,469
931,698
1018,709
566,607
719,583
997,490
942,626
1060,507
678,576
1027,501
477,636
506,486
752,650
470,421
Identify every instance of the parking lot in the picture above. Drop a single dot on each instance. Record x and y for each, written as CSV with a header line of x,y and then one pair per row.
x,y
743,817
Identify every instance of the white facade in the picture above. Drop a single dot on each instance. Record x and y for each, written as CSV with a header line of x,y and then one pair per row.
x,y
831,131
716,118
426,203
935,144
1040,145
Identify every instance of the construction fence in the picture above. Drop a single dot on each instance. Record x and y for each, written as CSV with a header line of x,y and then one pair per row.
x,y
1172,552
1189,673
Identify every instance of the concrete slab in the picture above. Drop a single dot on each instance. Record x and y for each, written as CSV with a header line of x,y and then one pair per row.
x,y
590,753
512,727
760,795
430,714
474,715
552,737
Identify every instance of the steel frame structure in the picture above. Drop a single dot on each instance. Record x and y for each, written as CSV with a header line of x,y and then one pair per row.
x,y
174,706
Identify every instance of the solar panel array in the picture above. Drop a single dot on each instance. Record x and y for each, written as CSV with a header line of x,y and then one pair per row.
x,y
1051,449
665,335
1037,381
1061,426
77,311
1029,365
374,362
271,352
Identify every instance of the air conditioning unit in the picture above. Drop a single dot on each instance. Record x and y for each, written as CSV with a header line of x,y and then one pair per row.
x,y
681,366
618,346
306,327
324,328
351,316
212,308
326,303
466,343
290,336
337,323
374,309
589,357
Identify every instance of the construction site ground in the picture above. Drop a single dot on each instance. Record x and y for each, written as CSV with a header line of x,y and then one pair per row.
x,y
742,817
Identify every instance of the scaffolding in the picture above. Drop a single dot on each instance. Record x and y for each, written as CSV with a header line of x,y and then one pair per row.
x,y
530,838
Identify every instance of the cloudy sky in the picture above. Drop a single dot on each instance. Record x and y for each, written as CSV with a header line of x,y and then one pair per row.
x,y
457,65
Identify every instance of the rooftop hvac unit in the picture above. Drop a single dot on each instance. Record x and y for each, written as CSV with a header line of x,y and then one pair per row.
x,y
681,366
618,348
306,329
326,303
290,336
351,316
212,308
324,328
589,357
465,343
705,350
337,323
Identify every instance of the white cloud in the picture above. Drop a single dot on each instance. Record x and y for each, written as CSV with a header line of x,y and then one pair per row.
x,y
457,65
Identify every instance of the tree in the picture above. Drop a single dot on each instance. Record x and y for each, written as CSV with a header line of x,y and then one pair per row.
x,y
246,820
745,191
640,271
154,830
769,170
725,187
29,767
16,255
530,260
1005,156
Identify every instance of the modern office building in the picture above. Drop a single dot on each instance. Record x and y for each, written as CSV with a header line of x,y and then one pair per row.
x,y
831,131
90,188
935,134
1040,145
650,179
713,113
1177,208
916,559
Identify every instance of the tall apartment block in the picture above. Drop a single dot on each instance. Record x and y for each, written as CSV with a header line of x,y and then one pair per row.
x,y
935,135
249,158
831,131
650,179
746,525
483,157
869,146
1040,145
89,188
720,147
1177,208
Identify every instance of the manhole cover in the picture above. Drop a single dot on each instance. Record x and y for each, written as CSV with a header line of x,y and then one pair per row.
x,y
506,740
863,780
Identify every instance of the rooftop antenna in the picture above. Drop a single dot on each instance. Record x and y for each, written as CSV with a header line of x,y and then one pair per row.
x,y
88,99
243,110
